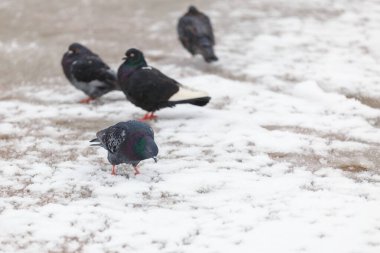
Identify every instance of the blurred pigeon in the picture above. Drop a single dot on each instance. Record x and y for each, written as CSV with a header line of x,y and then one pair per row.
x,y
127,142
87,72
195,33
149,89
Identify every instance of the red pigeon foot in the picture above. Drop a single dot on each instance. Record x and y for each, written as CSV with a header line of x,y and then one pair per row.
x,y
86,100
136,170
148,116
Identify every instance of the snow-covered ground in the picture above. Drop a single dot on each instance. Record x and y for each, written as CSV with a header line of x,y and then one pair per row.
x,y
285,158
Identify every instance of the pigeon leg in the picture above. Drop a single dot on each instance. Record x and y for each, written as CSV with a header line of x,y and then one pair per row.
x,y
86,100
146,117
113,170
136,170
152,116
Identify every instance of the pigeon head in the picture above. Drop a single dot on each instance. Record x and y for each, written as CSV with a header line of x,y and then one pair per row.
x,y
77,48
192,9
75,51
134,57
146,148
141,146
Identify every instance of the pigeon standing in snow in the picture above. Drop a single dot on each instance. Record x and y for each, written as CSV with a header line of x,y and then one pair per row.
x,y
195,33
87,72
149,89
127,142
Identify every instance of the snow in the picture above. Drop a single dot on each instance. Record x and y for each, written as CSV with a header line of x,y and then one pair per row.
x,y
285,158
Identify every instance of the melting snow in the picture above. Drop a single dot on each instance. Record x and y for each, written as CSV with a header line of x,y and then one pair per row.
x,y
285,158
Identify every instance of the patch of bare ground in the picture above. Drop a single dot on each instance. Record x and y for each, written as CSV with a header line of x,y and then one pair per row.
x,y
350,161
45,198
32,140
373,102
80,125
301,11
75,193
347,161
331,136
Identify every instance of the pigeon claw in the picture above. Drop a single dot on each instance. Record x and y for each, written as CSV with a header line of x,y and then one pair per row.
x,y
136,170
148,116
86,100
113,170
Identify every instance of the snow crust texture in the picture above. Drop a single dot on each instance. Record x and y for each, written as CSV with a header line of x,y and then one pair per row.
x,y
285,158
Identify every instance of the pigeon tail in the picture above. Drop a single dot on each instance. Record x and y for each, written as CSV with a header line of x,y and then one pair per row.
x,y
193,101
186,95
208,54
206,48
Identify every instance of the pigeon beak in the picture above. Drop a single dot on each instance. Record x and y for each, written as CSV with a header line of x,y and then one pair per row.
x,y
155,159
70,52
95,144
124,58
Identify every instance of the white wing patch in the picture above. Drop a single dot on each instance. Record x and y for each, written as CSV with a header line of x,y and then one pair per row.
x,y
186,93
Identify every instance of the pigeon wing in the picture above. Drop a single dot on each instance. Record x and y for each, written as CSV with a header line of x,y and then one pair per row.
x,y
187,33
150,85
92,68
206,27
112,138
135,124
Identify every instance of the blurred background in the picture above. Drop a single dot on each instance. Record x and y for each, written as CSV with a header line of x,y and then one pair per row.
x,y
269,42
34,34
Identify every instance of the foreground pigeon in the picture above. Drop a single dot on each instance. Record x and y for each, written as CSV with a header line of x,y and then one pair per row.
x,y
149,89
87,72
127,142
195,33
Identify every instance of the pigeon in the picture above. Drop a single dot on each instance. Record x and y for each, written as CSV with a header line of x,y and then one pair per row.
x,y
127,142
151,90
195,33
87,72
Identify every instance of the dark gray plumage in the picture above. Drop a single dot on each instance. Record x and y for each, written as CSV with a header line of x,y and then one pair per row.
x,y
87,72
127,142
196,35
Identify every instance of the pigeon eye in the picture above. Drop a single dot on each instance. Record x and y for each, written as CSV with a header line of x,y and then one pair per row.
x,y
132,55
